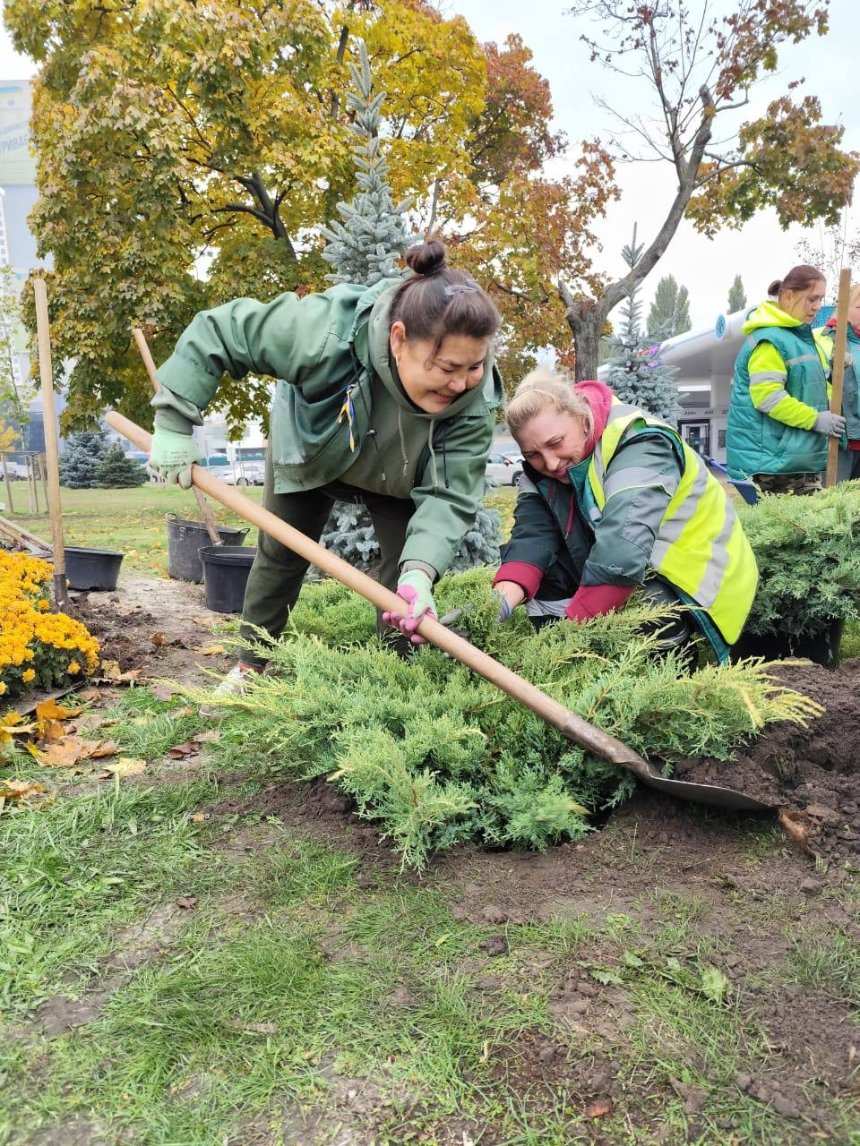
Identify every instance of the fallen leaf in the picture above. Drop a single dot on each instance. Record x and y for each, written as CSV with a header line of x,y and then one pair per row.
x,y
599,1108
211,650
164,691
158,639
52,730
715,985
11,718
20,789
111,672
186,902
796,827
50,710
180,751
207,737
60,753
126,766
90,694
102,748
199,817
186,710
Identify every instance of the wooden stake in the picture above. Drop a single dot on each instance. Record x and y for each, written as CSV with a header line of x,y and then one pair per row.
x,y
9,506
202,503
52,447
838,375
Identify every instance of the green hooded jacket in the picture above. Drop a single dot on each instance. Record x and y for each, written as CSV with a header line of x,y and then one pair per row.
x,y
339,411
779,387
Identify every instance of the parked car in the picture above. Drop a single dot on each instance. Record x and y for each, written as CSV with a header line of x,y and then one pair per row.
x,y
247,473
504,469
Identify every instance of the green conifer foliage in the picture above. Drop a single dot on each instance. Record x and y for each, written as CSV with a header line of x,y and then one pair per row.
x,y
670,311
635,369
81,458
737,299
367,246
117,470
438,756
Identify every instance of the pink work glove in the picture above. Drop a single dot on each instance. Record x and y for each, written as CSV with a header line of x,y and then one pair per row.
x,y
416,589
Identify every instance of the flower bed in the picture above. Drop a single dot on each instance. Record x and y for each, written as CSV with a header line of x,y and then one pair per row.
x,y
38,648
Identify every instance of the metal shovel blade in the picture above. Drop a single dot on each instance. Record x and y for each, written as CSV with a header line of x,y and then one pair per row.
x,y
712,795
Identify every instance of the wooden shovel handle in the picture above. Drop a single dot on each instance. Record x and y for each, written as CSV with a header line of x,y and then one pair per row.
x,y
202,503
555,714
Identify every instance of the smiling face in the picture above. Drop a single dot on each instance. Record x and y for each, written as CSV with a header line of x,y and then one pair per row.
x,y
552,441
435,377
803,304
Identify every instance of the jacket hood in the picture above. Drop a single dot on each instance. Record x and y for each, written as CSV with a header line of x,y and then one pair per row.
x,y
853,331
769,314
599,397
370,337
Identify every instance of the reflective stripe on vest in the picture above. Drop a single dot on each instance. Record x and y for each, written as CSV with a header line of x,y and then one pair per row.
x,y
700,546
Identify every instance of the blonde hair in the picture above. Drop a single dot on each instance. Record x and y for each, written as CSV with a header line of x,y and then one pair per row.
x,y
545,390
854,296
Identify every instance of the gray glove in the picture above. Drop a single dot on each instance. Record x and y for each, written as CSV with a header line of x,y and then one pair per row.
x,y
831,424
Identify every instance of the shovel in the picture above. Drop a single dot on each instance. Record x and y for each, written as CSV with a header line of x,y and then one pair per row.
x,y
568,723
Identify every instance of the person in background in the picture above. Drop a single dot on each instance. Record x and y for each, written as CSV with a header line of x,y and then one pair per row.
x,y
849,456
612,499
779,421
385,396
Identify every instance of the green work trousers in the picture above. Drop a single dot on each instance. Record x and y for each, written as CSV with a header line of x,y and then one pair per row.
x,y
277,573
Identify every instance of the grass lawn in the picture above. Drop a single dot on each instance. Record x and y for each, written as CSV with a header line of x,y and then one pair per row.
x,y
183,967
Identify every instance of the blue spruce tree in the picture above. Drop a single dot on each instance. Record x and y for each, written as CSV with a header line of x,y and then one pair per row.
x,y
635,370
367,246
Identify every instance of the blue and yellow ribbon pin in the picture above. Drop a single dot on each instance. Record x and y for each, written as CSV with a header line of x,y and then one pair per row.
x,y
347,411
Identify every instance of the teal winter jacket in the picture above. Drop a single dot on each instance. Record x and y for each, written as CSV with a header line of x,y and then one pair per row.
x,y
339,411
780,385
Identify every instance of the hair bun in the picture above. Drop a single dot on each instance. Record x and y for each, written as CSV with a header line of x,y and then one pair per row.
x,y
426,258
774,288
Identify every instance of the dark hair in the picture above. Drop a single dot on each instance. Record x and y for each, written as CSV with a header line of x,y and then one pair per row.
x,y
798,278
437,301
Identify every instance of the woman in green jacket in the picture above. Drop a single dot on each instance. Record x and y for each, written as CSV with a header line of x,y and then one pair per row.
x,y
849,456
385,396
779,421
611,499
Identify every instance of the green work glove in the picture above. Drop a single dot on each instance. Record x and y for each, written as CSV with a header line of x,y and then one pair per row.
x,y
171,455
416,589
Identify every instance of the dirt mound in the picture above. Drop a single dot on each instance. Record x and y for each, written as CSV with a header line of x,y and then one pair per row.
x,y
813,769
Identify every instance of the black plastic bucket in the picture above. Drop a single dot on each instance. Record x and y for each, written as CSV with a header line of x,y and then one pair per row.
x,y
225,574
822,647
184,540
92,568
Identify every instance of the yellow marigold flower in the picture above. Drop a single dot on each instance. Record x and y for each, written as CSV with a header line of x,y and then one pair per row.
x,y
43,606
28,675
74,668
3,689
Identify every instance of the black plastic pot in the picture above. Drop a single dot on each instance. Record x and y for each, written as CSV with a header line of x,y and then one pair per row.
x,y
225,574
92,568
184,541
821,647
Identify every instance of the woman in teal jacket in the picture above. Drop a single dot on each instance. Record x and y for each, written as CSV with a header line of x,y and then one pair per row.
x,y
849,456
386,396
779,420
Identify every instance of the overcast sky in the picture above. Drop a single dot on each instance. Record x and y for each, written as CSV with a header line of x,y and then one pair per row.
x,y
761,251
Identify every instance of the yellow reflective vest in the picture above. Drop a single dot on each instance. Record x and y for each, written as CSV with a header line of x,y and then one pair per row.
x,y
700,547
